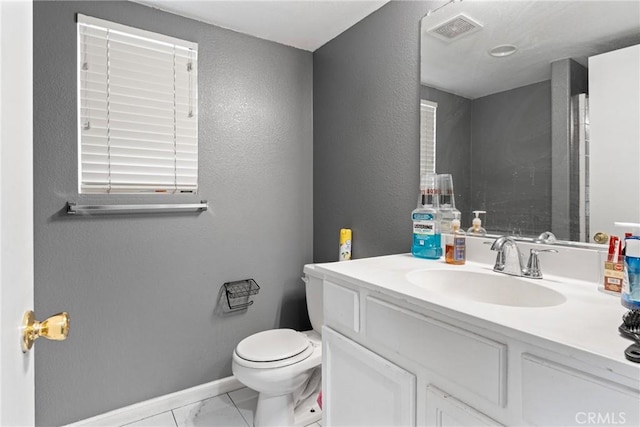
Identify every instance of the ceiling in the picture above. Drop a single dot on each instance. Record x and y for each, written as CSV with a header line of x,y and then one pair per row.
x,y
304,24
543,31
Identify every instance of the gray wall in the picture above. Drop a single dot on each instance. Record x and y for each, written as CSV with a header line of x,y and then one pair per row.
x,y
453,146
142,290
511,159
498,149
366,133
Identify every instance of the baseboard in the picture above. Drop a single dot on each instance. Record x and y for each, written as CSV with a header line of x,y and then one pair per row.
x,y
148,408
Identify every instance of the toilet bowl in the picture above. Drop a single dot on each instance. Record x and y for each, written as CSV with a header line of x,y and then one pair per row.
x,y
283,366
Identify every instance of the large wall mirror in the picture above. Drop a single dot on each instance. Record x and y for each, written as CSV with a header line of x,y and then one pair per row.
x,y
512,89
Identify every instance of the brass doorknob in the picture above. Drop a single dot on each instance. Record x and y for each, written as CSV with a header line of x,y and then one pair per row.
x,y
55,328
601,237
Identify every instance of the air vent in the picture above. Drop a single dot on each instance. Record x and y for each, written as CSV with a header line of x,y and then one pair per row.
x,y
454,28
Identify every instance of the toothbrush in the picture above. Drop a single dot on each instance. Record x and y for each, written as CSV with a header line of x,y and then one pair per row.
x,y
612,245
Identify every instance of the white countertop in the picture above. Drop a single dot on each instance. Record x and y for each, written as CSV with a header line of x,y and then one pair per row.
x,y
587,322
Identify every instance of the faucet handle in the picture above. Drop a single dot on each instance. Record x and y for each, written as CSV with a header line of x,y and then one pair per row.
x,y
546,237
533,265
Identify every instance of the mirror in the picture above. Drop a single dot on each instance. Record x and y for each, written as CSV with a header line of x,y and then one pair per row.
x,y
512,128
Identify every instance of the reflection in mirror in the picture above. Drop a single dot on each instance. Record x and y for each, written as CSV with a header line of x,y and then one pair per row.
x,y
527,117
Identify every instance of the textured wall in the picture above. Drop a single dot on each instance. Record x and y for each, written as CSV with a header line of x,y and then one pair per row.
x,y
453,145
366,96
498,149
142,289
511,159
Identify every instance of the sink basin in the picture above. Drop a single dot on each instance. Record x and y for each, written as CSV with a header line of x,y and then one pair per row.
x,y
487,287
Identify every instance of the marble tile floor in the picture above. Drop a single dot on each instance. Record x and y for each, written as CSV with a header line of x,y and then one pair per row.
x,y
233,409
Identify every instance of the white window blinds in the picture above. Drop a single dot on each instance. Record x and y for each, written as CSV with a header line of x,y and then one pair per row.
x,y
138,116
427,137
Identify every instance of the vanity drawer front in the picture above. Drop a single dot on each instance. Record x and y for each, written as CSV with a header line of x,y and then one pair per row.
x,y
341,307
469,360
558,395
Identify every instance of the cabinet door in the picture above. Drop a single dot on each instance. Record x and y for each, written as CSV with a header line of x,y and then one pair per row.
x,y
446,411
361,388
558,395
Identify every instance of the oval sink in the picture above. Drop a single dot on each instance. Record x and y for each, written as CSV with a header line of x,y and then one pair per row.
x,y
492,288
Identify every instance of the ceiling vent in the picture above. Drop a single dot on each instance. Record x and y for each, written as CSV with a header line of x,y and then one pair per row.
x,y
454,28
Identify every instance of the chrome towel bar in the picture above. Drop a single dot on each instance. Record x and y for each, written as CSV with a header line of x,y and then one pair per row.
x,y
74,209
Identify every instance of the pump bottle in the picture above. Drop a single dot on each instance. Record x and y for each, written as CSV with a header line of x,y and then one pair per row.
x,y
427,241
455,244
476,228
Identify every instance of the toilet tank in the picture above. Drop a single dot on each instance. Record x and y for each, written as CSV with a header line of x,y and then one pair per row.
x,y
313,284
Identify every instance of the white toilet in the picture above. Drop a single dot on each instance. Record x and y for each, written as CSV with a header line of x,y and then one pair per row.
x,y
283,366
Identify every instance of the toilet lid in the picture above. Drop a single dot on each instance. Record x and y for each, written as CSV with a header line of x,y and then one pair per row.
x,y
275,344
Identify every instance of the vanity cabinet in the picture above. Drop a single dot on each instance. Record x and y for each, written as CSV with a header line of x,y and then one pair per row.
x,y
365,389
388,361
559,395
443,410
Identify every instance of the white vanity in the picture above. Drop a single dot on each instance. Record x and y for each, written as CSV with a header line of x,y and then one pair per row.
x,y
417,342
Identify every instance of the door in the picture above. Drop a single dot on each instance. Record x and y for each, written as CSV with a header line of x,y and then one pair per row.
x,y
16,210
614,107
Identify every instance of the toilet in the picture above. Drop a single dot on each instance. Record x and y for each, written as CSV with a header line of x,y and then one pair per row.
x,y
284,366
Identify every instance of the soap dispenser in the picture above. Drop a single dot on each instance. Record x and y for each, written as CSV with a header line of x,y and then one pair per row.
x,y
455,243
476,228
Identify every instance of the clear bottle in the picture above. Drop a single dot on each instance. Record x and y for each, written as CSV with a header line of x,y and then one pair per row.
x,y
476,228
631,284
447,202
455,244
427,241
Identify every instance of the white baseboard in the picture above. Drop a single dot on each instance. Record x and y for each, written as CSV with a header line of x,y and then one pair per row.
x,y
148,408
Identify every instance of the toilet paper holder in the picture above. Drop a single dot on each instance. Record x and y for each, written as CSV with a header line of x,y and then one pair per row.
x,y
239,292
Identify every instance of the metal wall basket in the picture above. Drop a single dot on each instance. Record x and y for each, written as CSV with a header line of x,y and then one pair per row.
x,y
239,292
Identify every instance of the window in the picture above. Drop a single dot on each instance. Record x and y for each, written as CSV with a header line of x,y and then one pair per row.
x,y
427,136
137,110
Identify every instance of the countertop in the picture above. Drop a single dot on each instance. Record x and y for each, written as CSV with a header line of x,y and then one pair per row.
x,y
586,323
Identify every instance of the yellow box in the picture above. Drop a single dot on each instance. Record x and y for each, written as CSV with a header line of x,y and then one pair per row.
x,y
613,276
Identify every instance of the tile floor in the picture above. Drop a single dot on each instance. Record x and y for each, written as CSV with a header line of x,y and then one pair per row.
x,y
233,409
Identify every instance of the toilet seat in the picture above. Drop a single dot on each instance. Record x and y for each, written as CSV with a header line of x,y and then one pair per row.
x,y
273,349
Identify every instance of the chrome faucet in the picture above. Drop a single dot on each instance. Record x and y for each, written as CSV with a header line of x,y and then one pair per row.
x,y
509,259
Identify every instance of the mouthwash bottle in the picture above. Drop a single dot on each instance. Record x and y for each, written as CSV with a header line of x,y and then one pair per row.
x,y
427,241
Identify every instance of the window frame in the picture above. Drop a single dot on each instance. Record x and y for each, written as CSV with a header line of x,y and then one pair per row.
x,y
428,114
182,183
